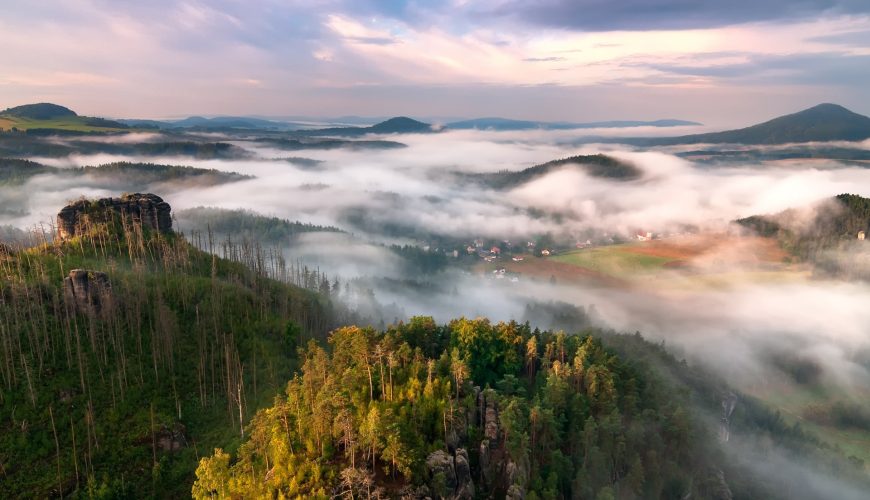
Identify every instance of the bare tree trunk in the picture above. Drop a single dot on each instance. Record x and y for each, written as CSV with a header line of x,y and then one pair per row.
x,y
57,449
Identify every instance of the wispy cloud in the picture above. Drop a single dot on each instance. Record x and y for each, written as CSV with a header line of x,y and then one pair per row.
x,y
174,57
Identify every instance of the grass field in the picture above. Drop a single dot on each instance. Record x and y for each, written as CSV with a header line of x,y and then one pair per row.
x,y
680,263
618,261
72,123
701,260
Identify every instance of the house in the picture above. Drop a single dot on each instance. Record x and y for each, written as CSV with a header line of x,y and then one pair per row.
x,y
495,250
517,259
644,236
545,252
860,235
470,249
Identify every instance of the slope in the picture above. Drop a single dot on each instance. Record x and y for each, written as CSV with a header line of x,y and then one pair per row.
x,y
115,378
825,122
52,118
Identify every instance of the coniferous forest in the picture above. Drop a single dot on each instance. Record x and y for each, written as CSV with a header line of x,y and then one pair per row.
x,y
135,363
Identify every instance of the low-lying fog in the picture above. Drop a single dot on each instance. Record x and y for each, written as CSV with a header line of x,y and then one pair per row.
x,y
733,328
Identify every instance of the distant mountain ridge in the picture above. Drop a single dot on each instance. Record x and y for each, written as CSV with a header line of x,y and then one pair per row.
x,y
218,122
504,124
821,123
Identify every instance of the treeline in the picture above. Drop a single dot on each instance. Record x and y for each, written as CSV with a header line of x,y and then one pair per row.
x,y
811,230
421,261
246,224
597,165
14,171
465,410
134,176
113,380
826,234
41,143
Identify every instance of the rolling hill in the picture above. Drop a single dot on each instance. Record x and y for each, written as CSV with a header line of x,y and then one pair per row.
x,y
595,165
822,123
396,125
53,118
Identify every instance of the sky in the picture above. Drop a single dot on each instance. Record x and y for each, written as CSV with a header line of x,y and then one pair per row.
x,y
721,63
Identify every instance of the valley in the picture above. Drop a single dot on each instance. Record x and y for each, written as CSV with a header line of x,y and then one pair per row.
x,y
458,315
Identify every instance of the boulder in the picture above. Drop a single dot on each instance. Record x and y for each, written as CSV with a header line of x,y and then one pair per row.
x,y
87,291
147,209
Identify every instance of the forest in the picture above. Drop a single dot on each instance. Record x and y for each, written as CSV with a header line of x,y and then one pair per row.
x,y
125,350
464,410
473,409
136,362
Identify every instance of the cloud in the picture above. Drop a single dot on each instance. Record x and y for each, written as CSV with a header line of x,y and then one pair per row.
x,y
817,68
643,15
174,58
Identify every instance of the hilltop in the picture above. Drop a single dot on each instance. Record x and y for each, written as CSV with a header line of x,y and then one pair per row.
x,y
52,118
396,125
822,123
598,165
39,111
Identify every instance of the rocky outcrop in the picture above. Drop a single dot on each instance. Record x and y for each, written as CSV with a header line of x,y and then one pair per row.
x,y
147,209
489,467
449,476
170,439
87,291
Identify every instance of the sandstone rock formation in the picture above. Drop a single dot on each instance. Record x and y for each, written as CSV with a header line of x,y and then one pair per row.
x,y
147,209
87,291
170,439
449,476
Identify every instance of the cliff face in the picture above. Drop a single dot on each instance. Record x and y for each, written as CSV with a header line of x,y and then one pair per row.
x,y
87,291
147,209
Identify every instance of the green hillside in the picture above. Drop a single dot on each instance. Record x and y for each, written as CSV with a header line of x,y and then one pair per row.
x,y
51,117
473,409
832,223
133,364
114,382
